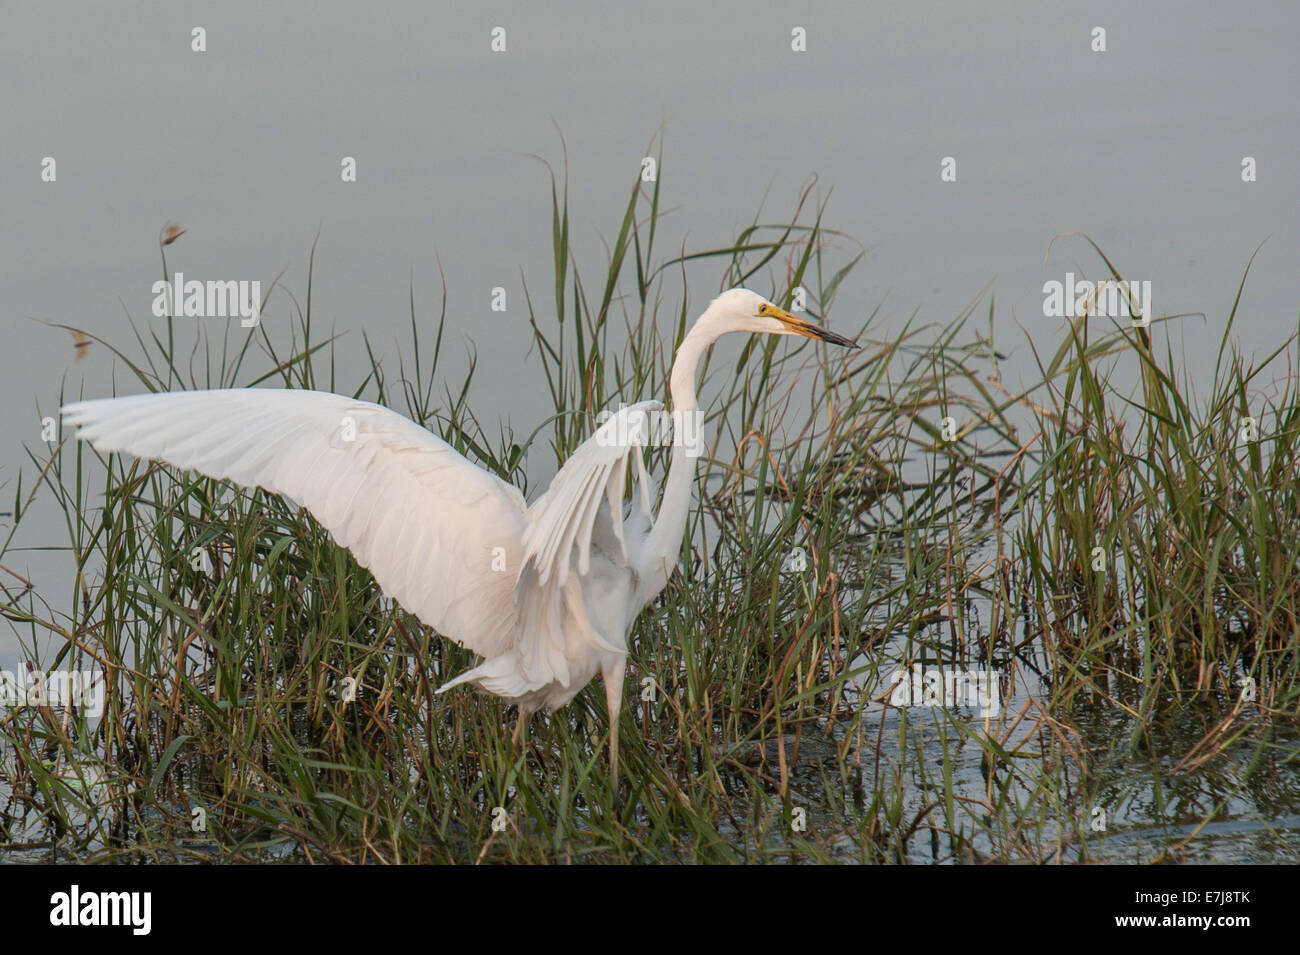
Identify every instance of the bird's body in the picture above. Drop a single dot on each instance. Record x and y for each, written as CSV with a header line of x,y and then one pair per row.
x,y
547,593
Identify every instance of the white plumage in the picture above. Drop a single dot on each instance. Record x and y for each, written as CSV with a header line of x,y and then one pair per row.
x,y
547,593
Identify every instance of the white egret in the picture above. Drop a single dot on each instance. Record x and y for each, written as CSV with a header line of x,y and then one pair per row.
x,y
547,593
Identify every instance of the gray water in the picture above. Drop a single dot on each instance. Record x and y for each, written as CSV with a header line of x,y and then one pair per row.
x,y
1140,146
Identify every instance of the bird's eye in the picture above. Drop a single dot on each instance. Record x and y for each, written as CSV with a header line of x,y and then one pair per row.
x,y
762,309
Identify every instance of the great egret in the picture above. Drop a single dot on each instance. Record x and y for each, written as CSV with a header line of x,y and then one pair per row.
x,y
452,543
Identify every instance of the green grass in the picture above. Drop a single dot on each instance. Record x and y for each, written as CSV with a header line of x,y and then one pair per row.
x,y
977,548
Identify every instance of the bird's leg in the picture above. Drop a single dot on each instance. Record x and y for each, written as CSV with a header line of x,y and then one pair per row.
x,y
521,729
613,675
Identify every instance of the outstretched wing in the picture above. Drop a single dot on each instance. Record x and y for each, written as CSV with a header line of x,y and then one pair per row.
x,y
425,521
562,522
581,510
557,642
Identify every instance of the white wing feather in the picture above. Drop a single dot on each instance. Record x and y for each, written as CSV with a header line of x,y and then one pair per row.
x,y
561,520
582,508
424,520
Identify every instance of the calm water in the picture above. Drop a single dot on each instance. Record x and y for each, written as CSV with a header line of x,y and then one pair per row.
x,y
1140,146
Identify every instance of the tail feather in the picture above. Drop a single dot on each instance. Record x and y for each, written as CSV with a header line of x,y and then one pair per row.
x,y
500,676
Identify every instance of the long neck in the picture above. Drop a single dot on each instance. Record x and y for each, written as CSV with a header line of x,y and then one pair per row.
x,y
666,537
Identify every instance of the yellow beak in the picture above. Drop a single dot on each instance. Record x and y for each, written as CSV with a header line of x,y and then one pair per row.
x,y
807,329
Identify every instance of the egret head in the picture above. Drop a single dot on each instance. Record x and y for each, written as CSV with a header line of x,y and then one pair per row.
x,y
740,310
